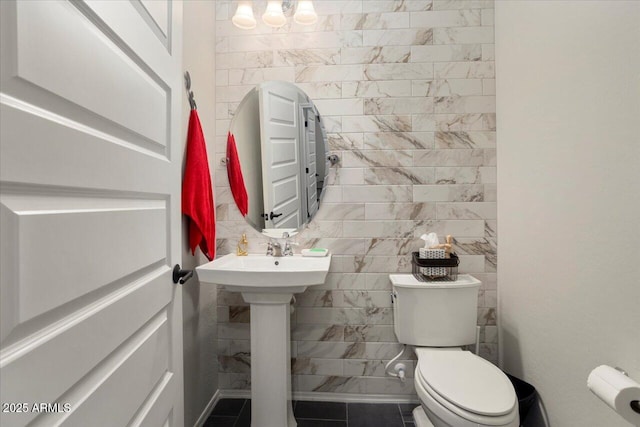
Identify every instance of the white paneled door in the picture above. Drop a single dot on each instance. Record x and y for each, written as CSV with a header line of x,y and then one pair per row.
x,y
90,320
280,139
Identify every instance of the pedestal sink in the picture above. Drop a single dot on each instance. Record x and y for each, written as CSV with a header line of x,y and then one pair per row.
x,y
268,283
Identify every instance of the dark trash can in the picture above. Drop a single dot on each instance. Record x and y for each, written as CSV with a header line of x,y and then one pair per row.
x,y
526,394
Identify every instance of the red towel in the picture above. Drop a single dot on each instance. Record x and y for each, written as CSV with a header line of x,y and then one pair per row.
x,y
236,181
197,195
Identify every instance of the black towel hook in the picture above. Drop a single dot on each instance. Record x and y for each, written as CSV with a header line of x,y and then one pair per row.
x,y
187,82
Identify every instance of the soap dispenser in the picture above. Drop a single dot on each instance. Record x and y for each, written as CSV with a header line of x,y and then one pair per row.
x,y
243,246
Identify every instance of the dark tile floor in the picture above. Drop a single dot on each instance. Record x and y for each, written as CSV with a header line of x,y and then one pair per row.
x,y
237,413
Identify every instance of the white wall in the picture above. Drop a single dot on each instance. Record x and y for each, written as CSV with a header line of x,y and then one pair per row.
x,y
199,302
568,114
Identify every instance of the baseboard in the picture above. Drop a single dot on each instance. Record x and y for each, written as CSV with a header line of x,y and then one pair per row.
x,y
207,410
330,397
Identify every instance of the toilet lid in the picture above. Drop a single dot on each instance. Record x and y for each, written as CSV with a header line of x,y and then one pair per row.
x,y
467,381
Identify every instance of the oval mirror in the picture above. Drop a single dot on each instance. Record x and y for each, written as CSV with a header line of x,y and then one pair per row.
x,y
277,158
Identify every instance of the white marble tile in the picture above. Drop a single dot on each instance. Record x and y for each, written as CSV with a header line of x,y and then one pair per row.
x,y
374,21
340,211
307,57
466,121
447,87
377,158
370,333
399,175
345,281
464,70
367,299
317,332
382,264
409,71
375,55
423,123
399,211
389,385
328,315
377,281
488,17
462,4
446,53
321,90
397,229
369,6
471,139
448,193
466,175
340,107
333,383
488,86
331,350
377,193
322,298
393,37
466,210
491,334
258,59
442,226
446,18
347,176
405,105
253,76
233,331
488,52
376,88
334,7
377,123
465,104
398,140
323,229
222,10
315,366
345,141
459,157
463,35
332,194
234,381
323,73
338,246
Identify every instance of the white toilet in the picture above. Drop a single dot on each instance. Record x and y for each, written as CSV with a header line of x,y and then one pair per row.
x,y
456,387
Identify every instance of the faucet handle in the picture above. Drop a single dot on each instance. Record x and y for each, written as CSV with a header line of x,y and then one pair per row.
x,y
288,250
269,247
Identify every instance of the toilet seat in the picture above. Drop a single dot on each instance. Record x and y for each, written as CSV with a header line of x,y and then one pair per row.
x,y
450,381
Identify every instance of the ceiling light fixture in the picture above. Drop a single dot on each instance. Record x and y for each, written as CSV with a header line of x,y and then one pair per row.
x,y
274,15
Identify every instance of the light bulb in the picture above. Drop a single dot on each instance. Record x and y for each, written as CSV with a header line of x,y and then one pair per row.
x,y
244,16
305,13
273,16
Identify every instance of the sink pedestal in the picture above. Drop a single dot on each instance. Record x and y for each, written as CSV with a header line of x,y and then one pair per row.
x,y
271,361
268,284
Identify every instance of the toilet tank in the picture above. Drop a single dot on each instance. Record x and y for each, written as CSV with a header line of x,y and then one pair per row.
x,y
435,314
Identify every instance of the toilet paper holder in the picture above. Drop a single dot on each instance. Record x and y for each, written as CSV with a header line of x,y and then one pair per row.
x,y
635,404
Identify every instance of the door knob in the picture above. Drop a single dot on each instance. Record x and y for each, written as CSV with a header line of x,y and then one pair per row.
x,y
180,275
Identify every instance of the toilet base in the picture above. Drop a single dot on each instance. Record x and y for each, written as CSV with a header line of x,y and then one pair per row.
x,y
420,418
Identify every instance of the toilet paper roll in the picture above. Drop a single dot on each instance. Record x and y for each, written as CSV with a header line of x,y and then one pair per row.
x,y
618,391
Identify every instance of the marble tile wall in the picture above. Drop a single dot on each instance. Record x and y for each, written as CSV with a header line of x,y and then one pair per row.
x,y
406,89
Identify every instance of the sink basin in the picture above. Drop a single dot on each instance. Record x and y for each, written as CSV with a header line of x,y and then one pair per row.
x,y
265,274
268,283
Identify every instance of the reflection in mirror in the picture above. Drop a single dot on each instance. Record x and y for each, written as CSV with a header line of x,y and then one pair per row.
x,y
282,154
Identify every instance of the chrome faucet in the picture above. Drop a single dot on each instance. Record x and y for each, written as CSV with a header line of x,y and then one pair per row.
x,y
278,249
